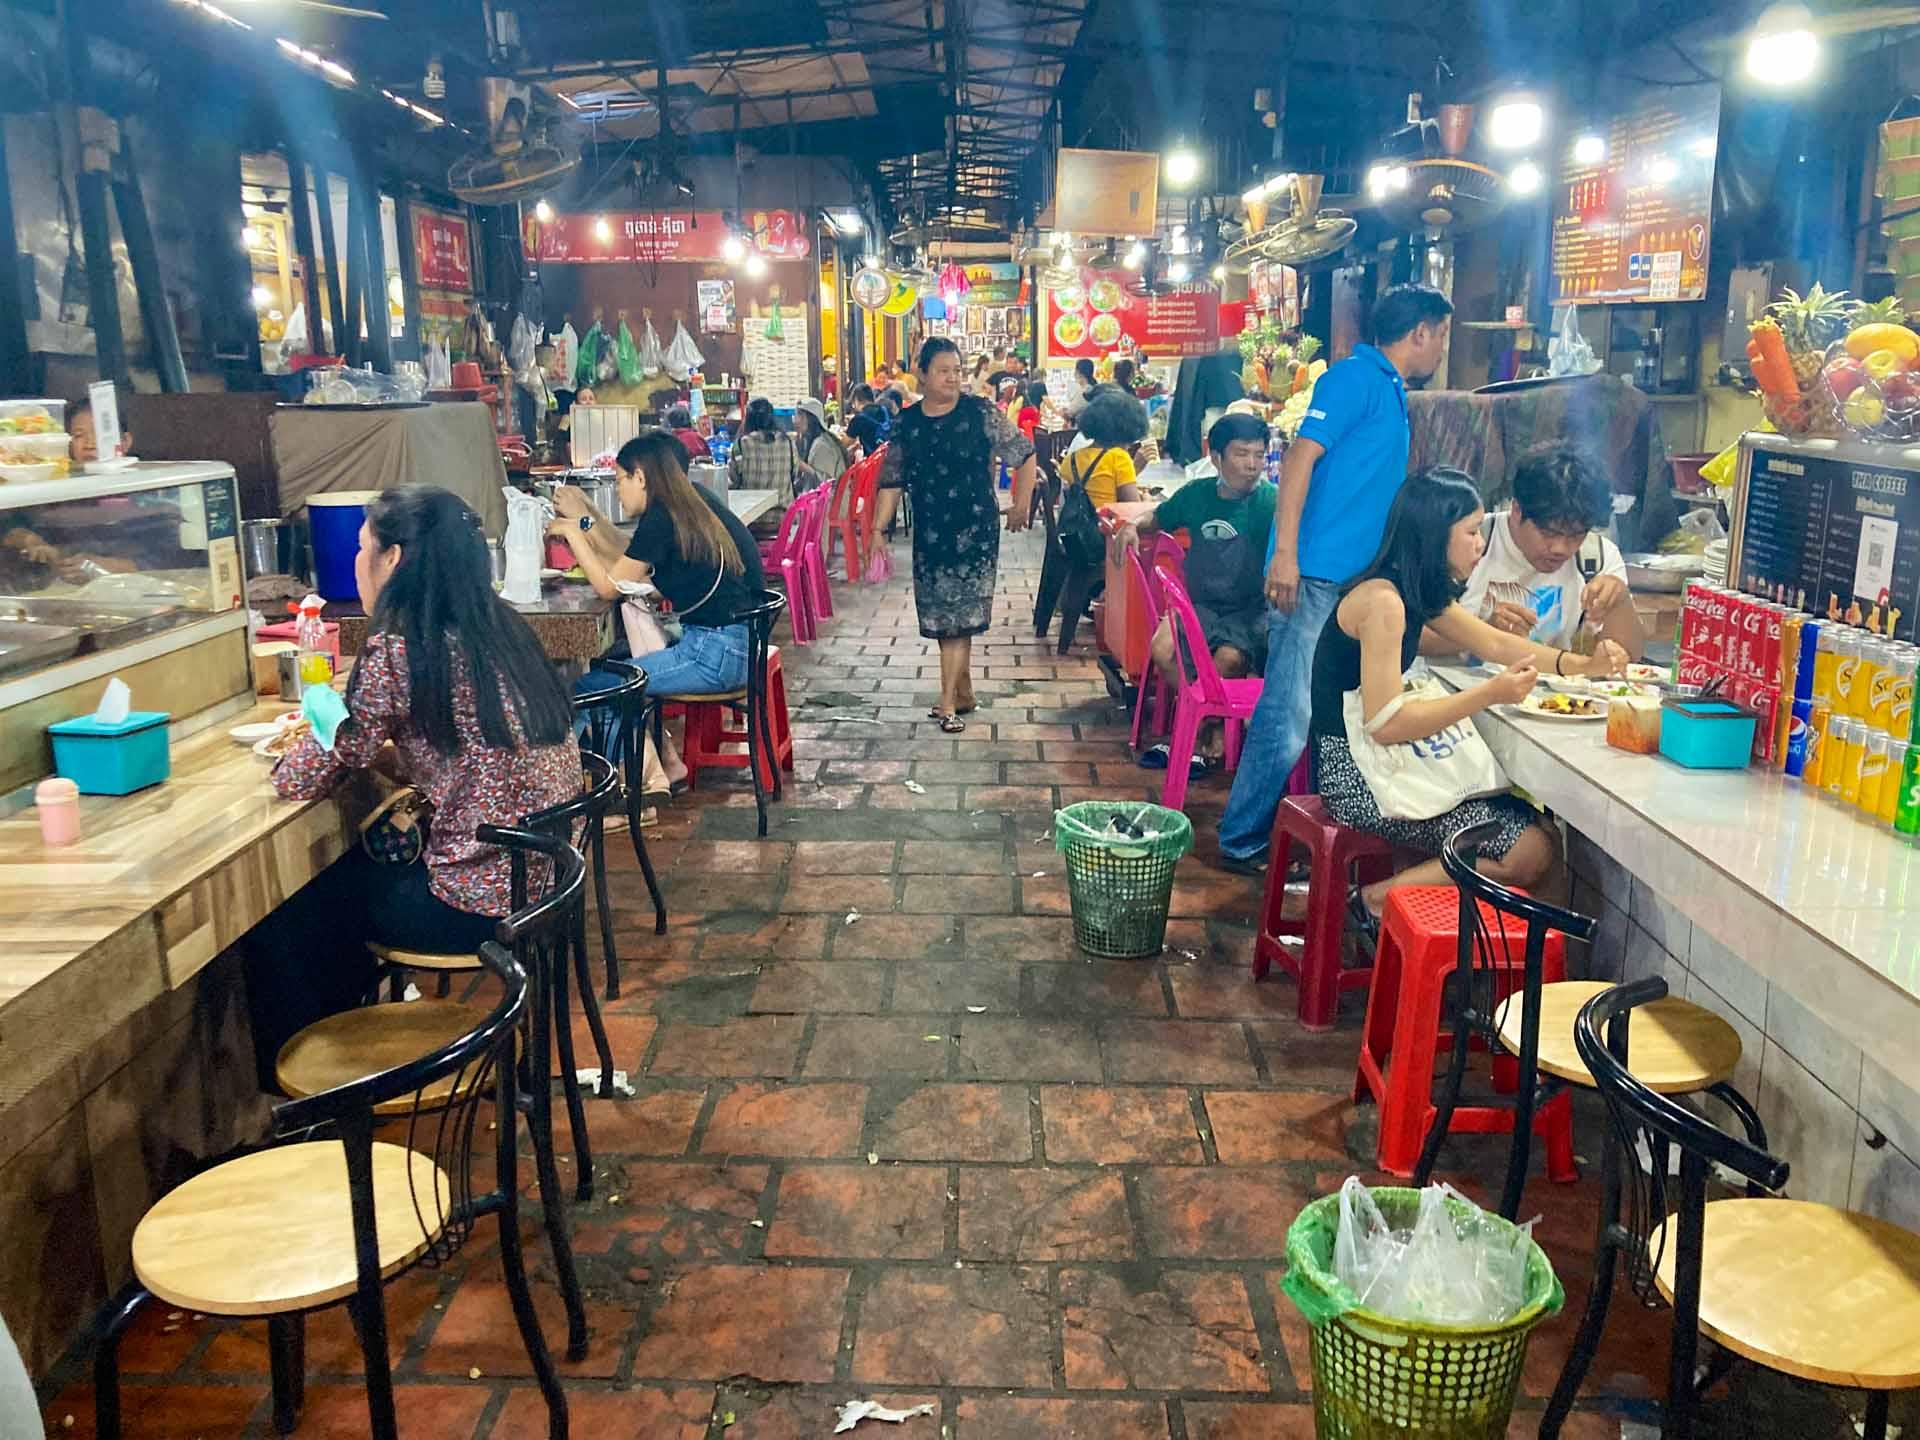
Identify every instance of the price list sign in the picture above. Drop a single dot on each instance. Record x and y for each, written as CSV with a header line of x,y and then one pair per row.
x,y
1633,210
1834,534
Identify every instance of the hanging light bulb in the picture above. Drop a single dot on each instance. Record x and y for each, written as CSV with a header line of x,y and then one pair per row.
x,y
1589,150
543,212
1516,122
1183,167
1135,257
250,237
1524,178
756,267
1179,272
262,297
733,249
602,230
1783,49
1220,274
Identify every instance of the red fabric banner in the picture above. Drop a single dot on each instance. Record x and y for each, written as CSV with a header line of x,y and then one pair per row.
x,y
441,248
1092,316
660,235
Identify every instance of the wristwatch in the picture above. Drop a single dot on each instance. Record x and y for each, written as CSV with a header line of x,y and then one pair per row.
x,y
586,523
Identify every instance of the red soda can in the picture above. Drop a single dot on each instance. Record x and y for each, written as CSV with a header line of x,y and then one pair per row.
x,y
1693,621
1772,621
1765,704
1753,637
1696,670
1719,649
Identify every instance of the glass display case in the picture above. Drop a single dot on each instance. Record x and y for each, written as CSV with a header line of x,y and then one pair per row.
x,y
95,564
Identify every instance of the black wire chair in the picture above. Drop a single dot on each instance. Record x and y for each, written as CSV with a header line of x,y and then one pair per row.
x,y
621,711
1790,1285
1482,955
762,756
219,1243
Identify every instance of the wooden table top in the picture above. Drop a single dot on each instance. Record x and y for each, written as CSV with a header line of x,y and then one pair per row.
x,y
161,882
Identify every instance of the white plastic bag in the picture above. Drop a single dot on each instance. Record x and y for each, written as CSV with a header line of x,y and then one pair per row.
x,y
1569,353
525,545
1456,1265
652,358
683,356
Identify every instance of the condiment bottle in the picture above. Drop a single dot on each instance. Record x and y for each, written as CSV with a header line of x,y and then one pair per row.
x,y
58,802
315,665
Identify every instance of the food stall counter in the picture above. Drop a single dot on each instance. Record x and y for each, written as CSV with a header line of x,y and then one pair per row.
x,y
1793,914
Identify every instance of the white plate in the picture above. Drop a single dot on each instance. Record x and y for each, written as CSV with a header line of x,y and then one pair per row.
x,y
1530,707
253,734
547,572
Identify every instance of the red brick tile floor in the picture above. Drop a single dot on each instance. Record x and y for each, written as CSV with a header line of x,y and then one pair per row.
x,y
896,1136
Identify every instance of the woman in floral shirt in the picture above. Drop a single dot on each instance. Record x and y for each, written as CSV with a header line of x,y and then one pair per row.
x,y
480,724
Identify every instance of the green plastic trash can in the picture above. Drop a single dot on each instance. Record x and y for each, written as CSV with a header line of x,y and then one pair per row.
x,y
1120,859
1374,1377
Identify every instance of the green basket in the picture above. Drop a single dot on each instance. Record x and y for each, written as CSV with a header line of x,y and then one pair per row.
x,y
1375,1378
1120,886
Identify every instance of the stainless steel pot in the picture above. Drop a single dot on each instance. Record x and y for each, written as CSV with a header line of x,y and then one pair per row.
x,y
603,494
263,543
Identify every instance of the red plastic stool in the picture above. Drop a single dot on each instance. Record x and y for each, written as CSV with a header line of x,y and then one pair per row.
x,y
1419,952
1333,852
708,739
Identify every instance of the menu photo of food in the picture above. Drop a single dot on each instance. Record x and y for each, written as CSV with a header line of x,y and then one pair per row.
x,y
1106,331
1069,298
1105,295
1070,329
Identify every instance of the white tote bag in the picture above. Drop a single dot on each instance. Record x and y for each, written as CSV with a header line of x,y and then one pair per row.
x,y
1420,779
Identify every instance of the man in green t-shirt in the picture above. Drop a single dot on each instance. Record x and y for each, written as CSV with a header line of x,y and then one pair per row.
x,y
1228,517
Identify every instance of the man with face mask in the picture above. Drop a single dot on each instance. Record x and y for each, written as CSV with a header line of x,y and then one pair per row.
x,y
1545,569
1337,485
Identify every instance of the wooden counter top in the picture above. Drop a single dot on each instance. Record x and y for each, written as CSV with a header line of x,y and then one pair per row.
x,y
162,881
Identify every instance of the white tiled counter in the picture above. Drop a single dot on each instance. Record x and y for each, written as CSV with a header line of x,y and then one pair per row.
x,y
1788,913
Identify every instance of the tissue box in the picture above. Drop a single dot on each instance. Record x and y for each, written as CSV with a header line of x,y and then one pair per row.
x,y
1706,734
113,759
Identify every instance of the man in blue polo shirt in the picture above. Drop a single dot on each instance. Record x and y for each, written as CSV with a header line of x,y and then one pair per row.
x,y
1337,484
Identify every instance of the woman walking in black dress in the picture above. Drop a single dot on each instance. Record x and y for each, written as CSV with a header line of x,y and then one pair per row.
x,y
944,450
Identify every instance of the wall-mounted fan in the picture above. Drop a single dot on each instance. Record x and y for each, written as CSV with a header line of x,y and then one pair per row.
x,y
1440,194
1305,234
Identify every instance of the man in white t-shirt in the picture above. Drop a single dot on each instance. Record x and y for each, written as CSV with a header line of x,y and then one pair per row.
x,y
1548,572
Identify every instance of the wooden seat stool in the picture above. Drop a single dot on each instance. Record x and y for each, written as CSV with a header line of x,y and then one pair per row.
x,y
1334,854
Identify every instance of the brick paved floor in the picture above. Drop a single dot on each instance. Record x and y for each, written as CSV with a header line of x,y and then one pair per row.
x,y
930,1153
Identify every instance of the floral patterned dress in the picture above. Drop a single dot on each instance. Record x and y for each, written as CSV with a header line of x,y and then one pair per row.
x,y
946,463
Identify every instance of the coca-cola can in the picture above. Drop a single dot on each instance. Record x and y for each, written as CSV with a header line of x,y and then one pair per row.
x,y
1764,701
1720,648
1693,621
1773,619
1696,670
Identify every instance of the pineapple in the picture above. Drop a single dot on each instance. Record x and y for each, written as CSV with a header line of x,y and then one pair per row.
x,y
1876,312
1810,323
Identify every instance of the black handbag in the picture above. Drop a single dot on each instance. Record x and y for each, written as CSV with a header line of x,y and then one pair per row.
x,y
1081,540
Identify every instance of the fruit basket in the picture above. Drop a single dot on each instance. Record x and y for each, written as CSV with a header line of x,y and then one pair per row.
x,y
1828,366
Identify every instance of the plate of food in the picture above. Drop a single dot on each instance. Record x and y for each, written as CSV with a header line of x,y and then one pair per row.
x,y
1557,705
1069,298
1070,330
1105,295
548,573
1106,330
1648,674
283,739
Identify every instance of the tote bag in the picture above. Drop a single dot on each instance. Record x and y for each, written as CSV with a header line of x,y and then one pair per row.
x,y
1424,778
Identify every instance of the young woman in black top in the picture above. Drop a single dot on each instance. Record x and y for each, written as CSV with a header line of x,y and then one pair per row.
x,y
1406,602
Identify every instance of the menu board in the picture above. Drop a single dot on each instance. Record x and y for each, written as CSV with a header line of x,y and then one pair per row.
x,y
1091,315
1826,532
776,367
442,258
1632,220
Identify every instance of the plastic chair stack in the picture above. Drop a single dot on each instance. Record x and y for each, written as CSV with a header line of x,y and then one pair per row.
x,y
1144,575
866,489
794,554
1203,695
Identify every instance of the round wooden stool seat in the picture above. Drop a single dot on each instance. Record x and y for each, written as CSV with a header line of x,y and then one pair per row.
x,y
356,1043
717,697
1677,1047
1823,1294
273,1232
426,959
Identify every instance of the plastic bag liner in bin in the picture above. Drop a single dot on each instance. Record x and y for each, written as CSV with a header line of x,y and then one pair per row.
x,y
1375,1376
1120,859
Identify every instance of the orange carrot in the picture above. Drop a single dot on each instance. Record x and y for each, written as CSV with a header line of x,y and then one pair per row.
x,y
1773,350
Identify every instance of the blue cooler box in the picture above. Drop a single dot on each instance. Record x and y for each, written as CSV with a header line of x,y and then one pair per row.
x,y
113,759
1706,734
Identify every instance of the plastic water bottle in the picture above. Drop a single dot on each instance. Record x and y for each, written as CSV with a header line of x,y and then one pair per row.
x,y
313,663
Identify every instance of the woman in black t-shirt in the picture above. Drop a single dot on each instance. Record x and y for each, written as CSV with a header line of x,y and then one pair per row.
x,y
1406,601
690,548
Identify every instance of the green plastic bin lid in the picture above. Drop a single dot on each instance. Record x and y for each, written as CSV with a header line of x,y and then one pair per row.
x,y
136,721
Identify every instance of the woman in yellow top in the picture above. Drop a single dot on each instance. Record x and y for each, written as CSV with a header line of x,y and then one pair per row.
x,y
1112,422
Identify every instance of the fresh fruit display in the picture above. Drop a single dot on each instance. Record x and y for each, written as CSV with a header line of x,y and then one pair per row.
x,y
1827,365
1808,325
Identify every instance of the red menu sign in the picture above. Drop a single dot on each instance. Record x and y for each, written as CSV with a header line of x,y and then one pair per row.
x,y
655,235
440,245
1091,317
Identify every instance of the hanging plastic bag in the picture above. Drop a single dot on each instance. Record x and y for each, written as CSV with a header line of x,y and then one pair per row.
x,y
879,564
607,366
683,356
628,356
520,348
775,330
587,371
653,359
1569,353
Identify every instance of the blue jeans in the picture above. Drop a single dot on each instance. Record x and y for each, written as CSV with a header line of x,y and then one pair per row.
x,y
1278,732
704,660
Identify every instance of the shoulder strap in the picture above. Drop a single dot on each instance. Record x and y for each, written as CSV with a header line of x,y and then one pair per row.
x,y
1593,554
1079,475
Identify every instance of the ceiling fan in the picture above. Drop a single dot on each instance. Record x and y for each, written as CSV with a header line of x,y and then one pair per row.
x,y
521,160
1305,234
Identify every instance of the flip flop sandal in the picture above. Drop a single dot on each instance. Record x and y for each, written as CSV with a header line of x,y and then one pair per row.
x,y
951,724
1363,919
1154,757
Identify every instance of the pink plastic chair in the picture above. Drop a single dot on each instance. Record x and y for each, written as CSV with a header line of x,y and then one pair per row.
x,y
1168,558
817,538
1203,696
787,554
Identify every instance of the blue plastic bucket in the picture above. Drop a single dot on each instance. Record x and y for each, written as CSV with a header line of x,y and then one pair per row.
x,y
334,518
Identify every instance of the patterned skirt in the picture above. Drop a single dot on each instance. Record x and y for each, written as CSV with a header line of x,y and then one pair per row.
x,y
953,591
1349,799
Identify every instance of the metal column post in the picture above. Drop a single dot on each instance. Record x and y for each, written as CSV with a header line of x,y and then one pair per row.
x,y
97,132
379,338
353,286
301,205
156,313
336,277
412,345
15,360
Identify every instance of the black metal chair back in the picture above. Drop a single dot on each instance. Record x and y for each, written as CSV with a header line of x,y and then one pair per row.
x,y
616,720
1645,1207
760,619
1484,953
